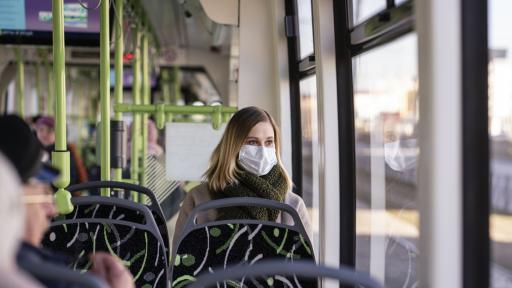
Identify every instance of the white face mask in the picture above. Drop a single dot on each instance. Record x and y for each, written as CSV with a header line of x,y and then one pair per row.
x,y
258,160
401,155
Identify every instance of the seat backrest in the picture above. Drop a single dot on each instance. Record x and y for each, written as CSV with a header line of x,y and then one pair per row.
x,y
221,243
139,246
153,205
274,270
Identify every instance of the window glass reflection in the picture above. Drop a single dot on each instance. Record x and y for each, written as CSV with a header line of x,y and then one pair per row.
x,y
500,130
386,122
305,28
309,124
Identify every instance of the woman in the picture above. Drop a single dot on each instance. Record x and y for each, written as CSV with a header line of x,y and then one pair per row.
x,y
245,163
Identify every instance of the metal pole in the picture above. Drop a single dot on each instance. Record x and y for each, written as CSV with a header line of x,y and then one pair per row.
x,y
40,96
49,98
105,93
145,101
136,117
81,114
60,157
166,91
20,83
118,89
177,84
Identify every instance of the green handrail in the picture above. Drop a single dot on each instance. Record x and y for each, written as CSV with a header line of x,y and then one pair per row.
x,y
105,93
20,83
160,110
134,169
145,101
60,157
118,89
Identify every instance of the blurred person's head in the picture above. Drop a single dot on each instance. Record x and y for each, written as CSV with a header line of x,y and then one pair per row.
x,y
152,132
11,213
250,127
40,209
45,130
33,120
153,147
25,153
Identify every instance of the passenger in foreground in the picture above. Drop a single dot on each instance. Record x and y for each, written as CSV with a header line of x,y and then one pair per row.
x,y
11,226
245,163
25,153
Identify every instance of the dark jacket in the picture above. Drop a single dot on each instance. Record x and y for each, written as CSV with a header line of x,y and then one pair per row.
x,y
29,254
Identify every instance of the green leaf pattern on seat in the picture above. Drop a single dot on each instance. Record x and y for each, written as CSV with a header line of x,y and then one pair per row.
x,y
218,246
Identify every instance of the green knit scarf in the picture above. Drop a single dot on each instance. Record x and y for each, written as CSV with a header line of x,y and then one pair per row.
x,y
271,186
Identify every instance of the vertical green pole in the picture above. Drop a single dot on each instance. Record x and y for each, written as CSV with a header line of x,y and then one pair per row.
x,y
145,100
20,84
118,89
166,91
177,84
105,93
136,116
81,115
60,157
50,102
39,90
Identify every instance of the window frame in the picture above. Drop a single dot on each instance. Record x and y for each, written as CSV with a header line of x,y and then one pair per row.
x,y
299,69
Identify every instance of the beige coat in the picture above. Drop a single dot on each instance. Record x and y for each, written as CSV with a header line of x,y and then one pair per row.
x,y
200,194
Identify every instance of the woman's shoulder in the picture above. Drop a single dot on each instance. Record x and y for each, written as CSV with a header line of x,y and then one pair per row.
x,y
293,200
200,193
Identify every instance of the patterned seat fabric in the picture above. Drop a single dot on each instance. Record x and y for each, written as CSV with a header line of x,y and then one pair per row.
x,y
122,188
140,250
105,211
212,247
109,211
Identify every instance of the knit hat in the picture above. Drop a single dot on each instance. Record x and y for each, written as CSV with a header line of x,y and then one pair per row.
x,y
46,120
20,146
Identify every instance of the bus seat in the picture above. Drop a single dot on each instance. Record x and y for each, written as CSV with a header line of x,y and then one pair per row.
x,y
278,268
153,205
225,242
140,246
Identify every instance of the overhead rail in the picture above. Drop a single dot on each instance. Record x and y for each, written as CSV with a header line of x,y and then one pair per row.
x,y
218,113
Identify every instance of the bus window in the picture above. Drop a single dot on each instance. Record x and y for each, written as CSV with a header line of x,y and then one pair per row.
x,y
364,9
500,133
309,124
305,28
386,121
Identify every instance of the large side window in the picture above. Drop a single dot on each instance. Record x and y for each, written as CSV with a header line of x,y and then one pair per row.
x,y
500,129
386,119
381,58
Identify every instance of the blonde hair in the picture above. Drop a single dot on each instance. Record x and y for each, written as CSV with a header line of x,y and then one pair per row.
x,y
12,213
223,169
